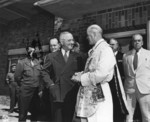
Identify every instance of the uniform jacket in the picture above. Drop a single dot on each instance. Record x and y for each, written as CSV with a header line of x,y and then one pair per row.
x,y
57,71
26,74
10,79
140,76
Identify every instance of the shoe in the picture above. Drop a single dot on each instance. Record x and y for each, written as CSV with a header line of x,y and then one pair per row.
x,y
11,111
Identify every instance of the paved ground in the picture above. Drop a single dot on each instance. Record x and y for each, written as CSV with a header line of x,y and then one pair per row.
x,y
6,117
4,108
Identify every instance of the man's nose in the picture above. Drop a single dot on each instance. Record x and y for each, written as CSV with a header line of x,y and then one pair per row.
x,y
72,41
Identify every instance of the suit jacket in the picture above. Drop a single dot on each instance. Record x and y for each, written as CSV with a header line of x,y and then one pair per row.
x,y
57,71
119,59
140,76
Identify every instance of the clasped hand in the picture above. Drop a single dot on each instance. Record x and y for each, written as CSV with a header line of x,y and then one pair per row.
x,y
77,77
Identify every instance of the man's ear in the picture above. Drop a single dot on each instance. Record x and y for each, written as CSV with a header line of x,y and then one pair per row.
x,y
142,42
61,42
94,35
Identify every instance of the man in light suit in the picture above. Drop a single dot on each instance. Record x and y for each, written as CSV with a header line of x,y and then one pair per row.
x,y
137,79
58,69
98,71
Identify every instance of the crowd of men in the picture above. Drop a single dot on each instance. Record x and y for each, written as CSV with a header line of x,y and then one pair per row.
x,y
101,87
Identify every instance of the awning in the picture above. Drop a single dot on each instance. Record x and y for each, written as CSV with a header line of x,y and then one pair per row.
x,y
75,8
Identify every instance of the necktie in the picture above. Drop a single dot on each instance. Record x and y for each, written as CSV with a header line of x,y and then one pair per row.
x,y
135,61
65,56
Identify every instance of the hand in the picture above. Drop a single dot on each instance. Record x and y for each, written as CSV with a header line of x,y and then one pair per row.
x,y
52,91
77,77
7,81
40,94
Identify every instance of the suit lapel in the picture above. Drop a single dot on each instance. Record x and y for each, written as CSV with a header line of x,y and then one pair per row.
x,y
59,58
141,58
130,61
70,60
118,55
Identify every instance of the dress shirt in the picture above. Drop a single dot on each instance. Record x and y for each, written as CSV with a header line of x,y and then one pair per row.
x,y
115,53
63,52
138,53
101,66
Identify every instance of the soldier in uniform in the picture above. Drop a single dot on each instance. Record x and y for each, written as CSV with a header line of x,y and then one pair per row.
x,y
27,76
12,87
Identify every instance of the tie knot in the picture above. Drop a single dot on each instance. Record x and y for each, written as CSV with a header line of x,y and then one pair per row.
x,y
66,52
136,51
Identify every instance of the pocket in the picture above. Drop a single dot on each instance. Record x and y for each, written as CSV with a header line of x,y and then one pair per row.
x,y
38,70
147,63
27,71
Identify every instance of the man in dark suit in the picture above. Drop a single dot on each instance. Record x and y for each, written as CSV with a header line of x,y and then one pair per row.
x,y
119,56
118,115
58,69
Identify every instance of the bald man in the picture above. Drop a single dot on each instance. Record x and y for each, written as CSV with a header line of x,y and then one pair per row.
x,y
94,103
98,71
137,78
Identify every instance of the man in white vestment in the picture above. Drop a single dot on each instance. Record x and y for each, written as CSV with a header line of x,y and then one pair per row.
x,y
95,104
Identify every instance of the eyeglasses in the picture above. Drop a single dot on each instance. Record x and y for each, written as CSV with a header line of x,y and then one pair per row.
x,y
138,40
69,40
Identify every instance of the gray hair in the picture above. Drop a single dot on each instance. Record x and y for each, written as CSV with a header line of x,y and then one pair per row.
x,y
137,35
95,28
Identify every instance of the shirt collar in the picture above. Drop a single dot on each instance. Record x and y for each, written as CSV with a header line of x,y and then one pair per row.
x,y
97,43
63,52
115,53
138,51
95,46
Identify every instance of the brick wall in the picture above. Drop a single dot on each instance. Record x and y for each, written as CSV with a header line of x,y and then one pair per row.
x,y
15,34
123,18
